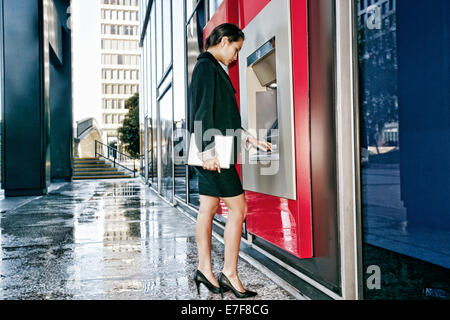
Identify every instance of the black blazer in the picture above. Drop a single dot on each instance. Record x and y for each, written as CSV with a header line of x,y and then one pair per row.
x,y
213,101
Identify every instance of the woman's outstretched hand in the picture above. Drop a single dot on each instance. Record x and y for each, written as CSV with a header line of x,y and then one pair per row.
x,y
261,144
212,165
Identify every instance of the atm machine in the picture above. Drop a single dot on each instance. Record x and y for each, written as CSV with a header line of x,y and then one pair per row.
x,y
273,93
274,105
267,109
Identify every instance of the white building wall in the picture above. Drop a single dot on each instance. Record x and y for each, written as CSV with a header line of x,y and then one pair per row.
x,y
120,61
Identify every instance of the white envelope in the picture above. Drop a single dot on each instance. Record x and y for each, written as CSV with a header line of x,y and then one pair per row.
x,y
223,148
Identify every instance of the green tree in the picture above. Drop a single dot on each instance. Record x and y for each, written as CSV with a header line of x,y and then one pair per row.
x,y
129,132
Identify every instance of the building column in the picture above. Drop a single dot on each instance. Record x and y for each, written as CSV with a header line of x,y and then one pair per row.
x,y
26,91
61,117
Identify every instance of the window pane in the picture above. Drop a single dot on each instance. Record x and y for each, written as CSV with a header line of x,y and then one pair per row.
x,y
159,35
194,51
166,123
405,148
213,6
190,4
167,33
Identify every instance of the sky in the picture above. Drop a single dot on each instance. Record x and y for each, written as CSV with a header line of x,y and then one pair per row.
x,y
86,59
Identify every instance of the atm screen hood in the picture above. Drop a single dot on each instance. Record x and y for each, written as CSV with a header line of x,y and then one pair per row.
x,y
264,64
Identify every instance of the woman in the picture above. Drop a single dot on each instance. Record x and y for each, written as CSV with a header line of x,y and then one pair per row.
x,y
214,106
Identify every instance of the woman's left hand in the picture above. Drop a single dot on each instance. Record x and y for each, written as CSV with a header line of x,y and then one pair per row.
x,y
261,144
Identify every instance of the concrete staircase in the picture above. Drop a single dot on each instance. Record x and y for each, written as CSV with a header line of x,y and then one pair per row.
x,y
94,168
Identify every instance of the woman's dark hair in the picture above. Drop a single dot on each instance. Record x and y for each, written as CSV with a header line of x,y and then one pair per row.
x,y
224,30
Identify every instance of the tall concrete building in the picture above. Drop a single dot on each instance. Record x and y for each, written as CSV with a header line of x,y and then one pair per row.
x,y
120,56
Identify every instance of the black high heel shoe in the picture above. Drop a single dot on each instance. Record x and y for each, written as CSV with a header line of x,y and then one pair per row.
x,y
226,285
200,278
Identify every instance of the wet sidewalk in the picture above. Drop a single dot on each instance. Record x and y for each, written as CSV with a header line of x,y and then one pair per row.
x,y
106,239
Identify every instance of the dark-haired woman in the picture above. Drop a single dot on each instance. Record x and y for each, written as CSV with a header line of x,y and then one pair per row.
x,y
214,107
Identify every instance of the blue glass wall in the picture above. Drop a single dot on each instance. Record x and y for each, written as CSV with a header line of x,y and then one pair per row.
x,y
405,146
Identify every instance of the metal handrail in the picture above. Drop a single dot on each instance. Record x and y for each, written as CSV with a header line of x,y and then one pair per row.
x,y
111,155
83,126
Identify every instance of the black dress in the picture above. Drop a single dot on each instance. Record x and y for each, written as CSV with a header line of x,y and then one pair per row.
x,y
214,105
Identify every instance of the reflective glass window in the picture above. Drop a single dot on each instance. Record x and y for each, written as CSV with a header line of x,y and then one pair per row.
x,y
190,5
194,50
166,123
213,6
159,40
405,148
167,33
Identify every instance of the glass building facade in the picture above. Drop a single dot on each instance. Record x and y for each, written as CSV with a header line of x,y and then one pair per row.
x,y
390,107
170,45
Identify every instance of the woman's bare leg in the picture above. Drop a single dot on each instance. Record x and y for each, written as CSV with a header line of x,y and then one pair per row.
x,y
208,208
232,237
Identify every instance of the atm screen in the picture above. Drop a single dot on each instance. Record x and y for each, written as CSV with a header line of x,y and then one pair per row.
x,y
267,123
